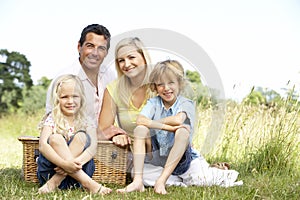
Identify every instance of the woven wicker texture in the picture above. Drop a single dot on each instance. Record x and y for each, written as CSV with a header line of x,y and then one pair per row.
x,y
110,161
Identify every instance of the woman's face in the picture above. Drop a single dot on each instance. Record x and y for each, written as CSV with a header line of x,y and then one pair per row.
x,y
131,62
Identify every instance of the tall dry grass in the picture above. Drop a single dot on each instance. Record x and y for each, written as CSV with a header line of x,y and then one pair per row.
x,y
257,136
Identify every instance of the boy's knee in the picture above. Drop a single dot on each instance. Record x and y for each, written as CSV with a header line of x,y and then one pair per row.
x,y
141,131
182,134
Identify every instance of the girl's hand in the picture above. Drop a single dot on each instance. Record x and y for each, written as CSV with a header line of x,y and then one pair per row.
x,y
71,167
60,171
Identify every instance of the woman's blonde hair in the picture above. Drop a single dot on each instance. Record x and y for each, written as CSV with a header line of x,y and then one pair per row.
x,y
167,67
124,85
80,120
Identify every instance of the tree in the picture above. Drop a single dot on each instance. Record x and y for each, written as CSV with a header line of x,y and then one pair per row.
x,y
35,98
202,94
14,76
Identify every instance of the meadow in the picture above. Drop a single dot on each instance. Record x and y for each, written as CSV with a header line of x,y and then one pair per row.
x,y
260,142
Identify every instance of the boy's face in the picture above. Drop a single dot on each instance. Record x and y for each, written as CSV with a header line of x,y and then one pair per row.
x,y
168,88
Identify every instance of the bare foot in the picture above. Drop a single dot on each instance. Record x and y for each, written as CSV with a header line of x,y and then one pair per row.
x,y
134,186
104,190
47,188
160,188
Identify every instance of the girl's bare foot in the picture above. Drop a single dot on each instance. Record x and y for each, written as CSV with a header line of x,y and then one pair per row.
x,y
134,186
104,190
47,188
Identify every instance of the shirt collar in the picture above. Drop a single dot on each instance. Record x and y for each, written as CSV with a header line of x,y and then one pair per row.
x,y
172,107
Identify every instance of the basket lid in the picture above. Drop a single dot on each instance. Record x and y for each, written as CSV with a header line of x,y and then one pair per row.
x,y
28,138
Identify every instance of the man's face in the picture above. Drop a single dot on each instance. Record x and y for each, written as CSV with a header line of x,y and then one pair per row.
x,y
93,51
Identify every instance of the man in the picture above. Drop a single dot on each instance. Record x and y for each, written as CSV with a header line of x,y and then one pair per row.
x,y
93,47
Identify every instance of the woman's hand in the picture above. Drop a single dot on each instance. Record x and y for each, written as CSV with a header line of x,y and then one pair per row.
x,y
121,140
110,132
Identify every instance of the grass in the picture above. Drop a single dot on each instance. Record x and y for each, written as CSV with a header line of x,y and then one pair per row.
x,y
261,143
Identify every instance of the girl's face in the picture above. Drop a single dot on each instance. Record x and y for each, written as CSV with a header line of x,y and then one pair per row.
x,y
131,62
167,88
69,98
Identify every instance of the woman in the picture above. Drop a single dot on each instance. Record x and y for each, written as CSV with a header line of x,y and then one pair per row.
x,y
124,98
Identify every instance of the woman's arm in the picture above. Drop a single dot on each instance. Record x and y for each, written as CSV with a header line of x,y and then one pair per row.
x,y
106,118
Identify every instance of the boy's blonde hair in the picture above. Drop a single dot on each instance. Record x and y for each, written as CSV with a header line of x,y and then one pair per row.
x,y
167,67
80,120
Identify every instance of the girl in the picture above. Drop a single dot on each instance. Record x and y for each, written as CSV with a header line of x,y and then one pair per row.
x,y
165,126
68,141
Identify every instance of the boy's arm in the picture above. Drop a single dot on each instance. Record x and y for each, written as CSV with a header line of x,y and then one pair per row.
x,y
175,120
142,120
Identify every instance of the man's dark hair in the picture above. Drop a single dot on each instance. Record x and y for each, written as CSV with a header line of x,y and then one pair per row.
x,y
97,29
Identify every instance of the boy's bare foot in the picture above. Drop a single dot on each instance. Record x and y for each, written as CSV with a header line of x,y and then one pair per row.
x,y
160,187
134,186
47,188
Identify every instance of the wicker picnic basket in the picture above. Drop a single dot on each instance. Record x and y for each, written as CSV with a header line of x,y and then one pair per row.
x,y
110,161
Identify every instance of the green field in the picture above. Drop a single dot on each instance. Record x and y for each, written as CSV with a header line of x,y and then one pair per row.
x,y
260,142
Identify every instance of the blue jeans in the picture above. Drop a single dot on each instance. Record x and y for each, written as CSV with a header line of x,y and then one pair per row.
x,y
182,166
46,170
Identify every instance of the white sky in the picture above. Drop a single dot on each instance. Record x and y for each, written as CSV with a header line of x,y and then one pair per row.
x,y
251,42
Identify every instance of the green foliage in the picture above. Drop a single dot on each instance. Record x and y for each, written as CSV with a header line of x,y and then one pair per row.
x,y
255,141
202,95
193,76
14,76
34,98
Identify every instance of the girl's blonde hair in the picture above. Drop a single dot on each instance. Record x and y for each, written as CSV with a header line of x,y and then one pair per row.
x,y
80,119
167,67
124,85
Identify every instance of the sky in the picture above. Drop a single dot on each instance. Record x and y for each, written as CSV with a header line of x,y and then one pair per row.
x,y
250,42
